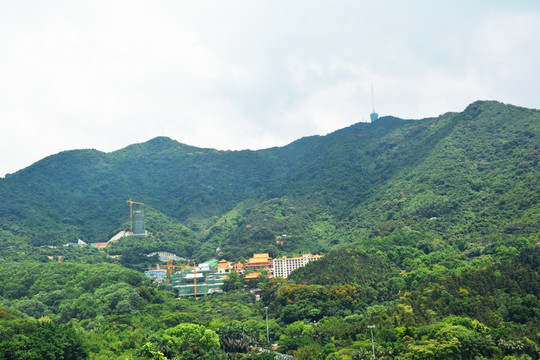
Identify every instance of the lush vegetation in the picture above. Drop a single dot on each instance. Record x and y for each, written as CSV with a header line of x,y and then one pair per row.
x,y
469,178
427,300
430,229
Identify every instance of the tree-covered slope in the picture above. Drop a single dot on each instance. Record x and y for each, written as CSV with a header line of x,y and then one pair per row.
x,y
430,229
481,180
465,177
420,293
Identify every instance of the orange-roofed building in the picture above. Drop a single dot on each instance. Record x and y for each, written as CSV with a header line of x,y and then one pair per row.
x,y
239,267
251,276
224,266
260,261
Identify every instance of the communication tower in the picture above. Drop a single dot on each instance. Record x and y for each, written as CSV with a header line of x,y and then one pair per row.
x,y
373,116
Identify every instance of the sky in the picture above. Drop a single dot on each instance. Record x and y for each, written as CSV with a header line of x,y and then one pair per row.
x,y
248,74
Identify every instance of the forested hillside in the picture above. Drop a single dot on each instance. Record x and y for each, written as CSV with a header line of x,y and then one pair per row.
x,y
430,230
469,177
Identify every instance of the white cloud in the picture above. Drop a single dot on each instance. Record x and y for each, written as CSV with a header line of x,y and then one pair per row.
x,y
242,74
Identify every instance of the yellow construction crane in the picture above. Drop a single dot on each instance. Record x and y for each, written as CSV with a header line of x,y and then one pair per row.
x,y
170,268
194,267
131,202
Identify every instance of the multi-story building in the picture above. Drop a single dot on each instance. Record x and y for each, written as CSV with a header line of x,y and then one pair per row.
x,y
283,265
259,261
208,266
202,280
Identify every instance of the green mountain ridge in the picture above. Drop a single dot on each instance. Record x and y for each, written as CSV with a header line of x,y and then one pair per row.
x,y
466,178
430,230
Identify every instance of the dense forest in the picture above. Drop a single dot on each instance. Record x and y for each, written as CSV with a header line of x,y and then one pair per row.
x,y
425,303
431,231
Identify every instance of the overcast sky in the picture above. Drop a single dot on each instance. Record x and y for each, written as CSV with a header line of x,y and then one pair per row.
x,y
248,74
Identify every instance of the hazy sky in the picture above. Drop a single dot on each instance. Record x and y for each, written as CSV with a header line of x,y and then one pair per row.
x,y
248,74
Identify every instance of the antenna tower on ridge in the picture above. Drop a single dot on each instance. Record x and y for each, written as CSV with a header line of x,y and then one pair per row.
x,y
373,116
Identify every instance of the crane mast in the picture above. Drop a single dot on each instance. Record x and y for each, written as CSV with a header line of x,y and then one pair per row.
x,y
131,202
170,268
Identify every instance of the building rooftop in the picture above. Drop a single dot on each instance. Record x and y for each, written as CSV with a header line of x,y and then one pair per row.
x,y
253,275
209,263
300,257
258,259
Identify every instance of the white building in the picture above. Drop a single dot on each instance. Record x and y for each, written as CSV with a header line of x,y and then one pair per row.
x,y
158,275
164,256
283,265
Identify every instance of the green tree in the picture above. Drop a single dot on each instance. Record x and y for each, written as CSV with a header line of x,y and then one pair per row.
x,y
28,339
189,341
234,281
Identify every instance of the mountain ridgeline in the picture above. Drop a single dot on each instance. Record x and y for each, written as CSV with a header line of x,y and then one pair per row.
x,y
468,179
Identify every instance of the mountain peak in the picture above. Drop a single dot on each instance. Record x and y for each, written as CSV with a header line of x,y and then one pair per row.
x,y
477,107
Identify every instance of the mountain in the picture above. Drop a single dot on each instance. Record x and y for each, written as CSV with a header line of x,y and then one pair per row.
x,y
469,179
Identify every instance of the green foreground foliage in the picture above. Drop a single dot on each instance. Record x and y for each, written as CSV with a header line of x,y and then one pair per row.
x,y
425,304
